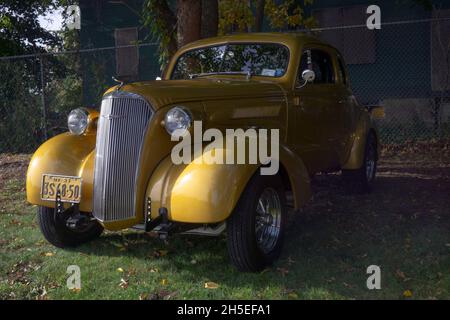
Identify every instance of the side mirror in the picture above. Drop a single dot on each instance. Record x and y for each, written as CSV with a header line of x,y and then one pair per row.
x,y
308,75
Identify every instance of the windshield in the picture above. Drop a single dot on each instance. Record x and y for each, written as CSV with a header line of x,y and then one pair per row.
x,y
268,60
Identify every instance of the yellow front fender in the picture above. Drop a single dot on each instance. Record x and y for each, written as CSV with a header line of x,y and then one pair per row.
x,y
67,155
208,193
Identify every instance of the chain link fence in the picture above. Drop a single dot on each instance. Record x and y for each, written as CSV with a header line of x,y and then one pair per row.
x,y
404,67
38,91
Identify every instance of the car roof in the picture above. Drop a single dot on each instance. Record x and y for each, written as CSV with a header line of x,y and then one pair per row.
x,y
286,38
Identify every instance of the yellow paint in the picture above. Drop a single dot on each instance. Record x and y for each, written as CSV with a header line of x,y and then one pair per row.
x,y
66,155
204,193
208,193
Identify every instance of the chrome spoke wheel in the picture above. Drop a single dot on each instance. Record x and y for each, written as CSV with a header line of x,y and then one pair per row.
x,y
268,220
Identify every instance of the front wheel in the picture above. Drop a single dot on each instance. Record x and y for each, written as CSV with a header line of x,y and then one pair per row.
x,y
55,229
255,230
362,179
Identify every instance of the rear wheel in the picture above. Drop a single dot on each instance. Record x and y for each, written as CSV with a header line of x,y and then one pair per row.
x,y
56,231
256,228
362,179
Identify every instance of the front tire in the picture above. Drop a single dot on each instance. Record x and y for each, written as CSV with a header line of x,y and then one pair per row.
x,y
58,234
255,230
362,179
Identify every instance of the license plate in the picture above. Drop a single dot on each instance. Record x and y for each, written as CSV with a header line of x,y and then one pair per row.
x,y
69,188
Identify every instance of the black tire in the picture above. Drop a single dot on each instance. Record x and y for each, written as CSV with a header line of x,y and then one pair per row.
x,y
244,249
57,233
360,180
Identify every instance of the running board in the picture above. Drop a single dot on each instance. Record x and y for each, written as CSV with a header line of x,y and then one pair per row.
x,y
207,231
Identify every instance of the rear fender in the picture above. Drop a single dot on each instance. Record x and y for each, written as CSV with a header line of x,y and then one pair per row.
x,y
366,123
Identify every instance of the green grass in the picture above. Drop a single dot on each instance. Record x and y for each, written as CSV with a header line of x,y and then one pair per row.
x,y
403,227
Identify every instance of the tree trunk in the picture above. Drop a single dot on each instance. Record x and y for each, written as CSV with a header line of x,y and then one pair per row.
x,y
210,18
169,21
259,15
189,14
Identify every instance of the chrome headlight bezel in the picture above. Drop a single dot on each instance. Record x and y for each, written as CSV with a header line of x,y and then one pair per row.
x,y
78,121
177,118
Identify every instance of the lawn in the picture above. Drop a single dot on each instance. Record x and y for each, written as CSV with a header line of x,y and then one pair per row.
x,y
403,227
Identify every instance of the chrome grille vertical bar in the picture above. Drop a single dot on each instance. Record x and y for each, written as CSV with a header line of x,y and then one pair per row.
x,y
121,130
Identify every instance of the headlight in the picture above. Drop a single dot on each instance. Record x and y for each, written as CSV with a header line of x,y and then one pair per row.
x,y
177,118
78,121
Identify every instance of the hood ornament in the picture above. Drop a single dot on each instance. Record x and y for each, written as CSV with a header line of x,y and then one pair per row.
x,y
119,81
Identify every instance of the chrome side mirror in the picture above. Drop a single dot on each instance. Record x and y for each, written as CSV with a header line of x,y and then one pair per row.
x,y
308,75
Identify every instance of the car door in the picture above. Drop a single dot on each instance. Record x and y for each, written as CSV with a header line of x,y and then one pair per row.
x,y
344,111
313,126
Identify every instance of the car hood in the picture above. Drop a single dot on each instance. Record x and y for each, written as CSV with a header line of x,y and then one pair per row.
x,y
166,92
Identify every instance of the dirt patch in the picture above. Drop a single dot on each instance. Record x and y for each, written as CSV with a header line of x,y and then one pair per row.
x,y
13,166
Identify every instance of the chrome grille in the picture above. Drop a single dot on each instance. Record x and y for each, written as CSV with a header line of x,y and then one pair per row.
x,y
121,129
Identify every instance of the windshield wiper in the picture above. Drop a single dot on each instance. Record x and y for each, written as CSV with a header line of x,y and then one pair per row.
x,y
248,74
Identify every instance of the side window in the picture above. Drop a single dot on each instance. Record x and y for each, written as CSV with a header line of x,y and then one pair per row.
x,y
320,62
342,72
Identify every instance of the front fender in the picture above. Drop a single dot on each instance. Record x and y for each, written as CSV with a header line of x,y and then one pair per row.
x,y
208,193
197,193
64,154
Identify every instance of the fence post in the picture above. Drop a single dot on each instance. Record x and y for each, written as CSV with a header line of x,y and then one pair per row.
x,y
44,104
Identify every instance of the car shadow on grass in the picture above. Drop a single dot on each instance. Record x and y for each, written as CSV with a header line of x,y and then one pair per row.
x,y
402,226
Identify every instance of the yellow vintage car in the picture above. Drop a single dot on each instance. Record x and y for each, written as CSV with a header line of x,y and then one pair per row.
x,y
114,169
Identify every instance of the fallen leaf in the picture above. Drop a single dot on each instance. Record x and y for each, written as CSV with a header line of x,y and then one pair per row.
x,y
151,296
332,279
123,283
169,295
161,295
120,246
211,285
42,295
131,272
164,282
160,253
190,243
143,296
265,270
400,274
407,293
347,285
283,271
49,254
16,222
292,296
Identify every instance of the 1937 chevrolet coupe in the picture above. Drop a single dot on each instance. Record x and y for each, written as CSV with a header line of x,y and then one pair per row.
x,y
114,170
